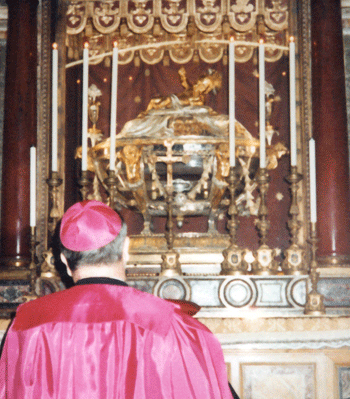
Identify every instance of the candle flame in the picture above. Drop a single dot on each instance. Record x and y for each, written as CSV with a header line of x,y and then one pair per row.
x,y
232,39
261,41
54,46
291,39
115,44
86,45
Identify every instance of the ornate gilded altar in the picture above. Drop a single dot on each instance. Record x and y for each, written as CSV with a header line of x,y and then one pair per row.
x,y
177,137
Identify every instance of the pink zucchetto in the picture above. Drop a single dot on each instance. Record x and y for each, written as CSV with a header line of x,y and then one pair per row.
x,y
89,225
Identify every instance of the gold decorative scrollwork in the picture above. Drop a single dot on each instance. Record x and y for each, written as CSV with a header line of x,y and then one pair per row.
x,y
276,16
242,14
210,50
182,51
208,16
174,15
273,53
151,55
106,16
96,45
243,52
77,16
124,57
140,15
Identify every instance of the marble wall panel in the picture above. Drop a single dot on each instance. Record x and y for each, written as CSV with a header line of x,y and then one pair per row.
x,y
205,292
239,294
278,381
272,293
271,374
145,285
12,293
344,382
336,291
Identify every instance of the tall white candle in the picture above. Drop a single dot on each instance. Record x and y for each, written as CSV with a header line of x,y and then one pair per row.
x,y
232,89
262,131
32,195
85,106
312,166
293,125
54,166
113,126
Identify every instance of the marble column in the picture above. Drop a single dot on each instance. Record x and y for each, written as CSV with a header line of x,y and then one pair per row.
x,y
19,132
330,133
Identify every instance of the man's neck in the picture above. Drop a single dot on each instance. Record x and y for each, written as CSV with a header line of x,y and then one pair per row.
x,y
101,280
110,271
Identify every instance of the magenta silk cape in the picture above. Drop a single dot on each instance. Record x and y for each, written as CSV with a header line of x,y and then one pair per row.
x,y
104,341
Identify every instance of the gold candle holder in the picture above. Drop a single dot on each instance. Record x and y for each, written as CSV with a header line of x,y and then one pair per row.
x,y
233,263
294,262
264,263
34,266
314,301
111,183
54,182
170,259
84,183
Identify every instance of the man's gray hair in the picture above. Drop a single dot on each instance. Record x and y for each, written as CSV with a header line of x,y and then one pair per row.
x,y
108,254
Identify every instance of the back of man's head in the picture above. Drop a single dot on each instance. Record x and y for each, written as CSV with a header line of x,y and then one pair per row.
x,y
92,234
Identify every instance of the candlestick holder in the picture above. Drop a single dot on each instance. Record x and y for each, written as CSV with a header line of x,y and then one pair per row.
x,y
111,183
34,267
294,262
84,182
264,263
314,301
170,259
54,182
233,263
96,189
